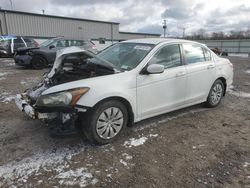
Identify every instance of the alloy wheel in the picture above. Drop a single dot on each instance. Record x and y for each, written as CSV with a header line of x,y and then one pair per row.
x,y
109,123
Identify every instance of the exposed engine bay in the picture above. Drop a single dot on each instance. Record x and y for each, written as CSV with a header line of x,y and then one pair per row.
x,y
68,68
71,64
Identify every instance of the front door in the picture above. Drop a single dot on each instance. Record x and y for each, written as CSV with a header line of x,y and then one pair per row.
x,y
160,93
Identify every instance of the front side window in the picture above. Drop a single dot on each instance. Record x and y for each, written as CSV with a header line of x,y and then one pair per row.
x,y
193,53
125,56
169,56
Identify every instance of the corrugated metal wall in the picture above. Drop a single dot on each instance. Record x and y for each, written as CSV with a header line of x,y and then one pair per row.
x,y
232,46
127,36
42,26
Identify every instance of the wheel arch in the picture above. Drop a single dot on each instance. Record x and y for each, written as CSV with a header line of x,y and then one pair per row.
x,y
41,55
125,102
224,81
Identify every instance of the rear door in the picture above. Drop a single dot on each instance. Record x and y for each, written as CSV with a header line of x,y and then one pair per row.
x,y
200,72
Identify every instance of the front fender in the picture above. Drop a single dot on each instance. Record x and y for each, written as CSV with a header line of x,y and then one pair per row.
x,y
90,99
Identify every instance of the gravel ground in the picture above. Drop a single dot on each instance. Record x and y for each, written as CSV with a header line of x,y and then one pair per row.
x,y
193,147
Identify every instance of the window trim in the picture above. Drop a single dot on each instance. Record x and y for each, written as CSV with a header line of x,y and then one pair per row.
x,y
181,57
184,55
205,49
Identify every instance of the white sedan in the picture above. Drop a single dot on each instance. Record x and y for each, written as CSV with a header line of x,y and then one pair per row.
x,y
126,83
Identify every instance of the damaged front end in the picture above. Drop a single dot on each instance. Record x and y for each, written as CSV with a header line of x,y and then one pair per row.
x,y
58,109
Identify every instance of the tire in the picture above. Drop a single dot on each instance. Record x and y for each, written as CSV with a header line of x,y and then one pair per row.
x,y
38,62
215,95
100,126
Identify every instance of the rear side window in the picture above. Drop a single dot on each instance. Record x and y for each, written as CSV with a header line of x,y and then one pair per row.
x,y
76,43
27,40
18,40
193,53
62,43
169,56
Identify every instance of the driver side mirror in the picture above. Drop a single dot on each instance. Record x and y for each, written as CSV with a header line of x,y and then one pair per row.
x,y
52,46
155,69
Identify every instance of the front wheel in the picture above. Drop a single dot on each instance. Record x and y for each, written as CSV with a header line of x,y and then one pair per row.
x,y
215,94
106,122
38,62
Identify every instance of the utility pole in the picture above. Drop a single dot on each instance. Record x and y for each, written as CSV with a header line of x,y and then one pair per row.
x,y
11,4
183,33
164,27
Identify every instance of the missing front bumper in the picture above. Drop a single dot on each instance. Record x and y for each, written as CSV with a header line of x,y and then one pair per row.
x,y
29,110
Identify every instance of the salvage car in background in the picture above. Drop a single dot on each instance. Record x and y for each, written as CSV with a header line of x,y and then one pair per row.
x,y
219,52
10,43
45,54
126,83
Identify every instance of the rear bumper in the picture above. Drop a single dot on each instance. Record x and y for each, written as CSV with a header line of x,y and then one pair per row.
x,y
23,59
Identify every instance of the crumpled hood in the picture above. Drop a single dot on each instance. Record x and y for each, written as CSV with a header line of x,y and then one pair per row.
x,y
60,55
47,85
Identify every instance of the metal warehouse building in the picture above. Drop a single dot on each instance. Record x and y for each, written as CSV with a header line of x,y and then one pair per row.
x,y
46,26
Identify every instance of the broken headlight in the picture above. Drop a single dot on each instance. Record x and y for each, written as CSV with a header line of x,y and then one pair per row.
x,y
64,98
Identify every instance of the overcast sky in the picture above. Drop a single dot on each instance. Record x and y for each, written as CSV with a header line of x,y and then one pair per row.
x,y
147,15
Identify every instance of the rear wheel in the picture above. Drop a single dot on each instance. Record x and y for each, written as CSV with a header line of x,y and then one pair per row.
x,y
38,62
215,94
106,122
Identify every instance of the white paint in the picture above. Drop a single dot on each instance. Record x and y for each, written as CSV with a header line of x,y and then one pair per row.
x,y
135,142
57,162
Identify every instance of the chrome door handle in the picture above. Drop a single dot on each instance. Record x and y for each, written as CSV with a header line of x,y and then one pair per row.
x,y
179,74
210,66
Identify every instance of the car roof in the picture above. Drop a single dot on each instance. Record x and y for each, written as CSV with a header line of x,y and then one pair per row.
x,y
156,41
67,38
7,37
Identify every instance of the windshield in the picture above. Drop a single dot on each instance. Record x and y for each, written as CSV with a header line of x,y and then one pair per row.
x,y
47,42
125,56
